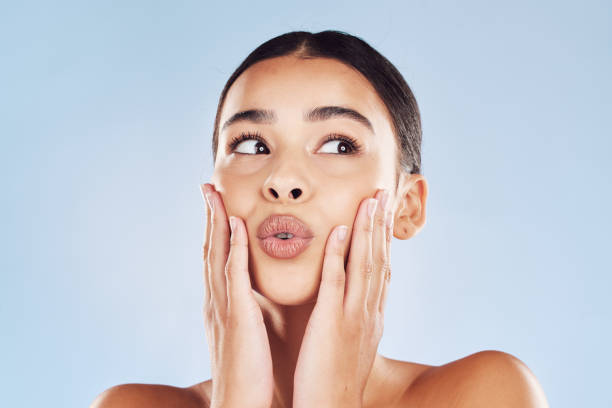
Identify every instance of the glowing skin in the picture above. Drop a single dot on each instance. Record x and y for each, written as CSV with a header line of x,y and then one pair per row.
x,y
297,156
332,185
261,353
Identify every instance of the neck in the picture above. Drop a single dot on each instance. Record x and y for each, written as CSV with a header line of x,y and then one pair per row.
x,y
286,326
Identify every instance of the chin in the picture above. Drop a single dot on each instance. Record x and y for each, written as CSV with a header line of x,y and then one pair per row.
x,y
288,282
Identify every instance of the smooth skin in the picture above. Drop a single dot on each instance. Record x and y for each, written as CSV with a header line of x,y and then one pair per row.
x,y
304,332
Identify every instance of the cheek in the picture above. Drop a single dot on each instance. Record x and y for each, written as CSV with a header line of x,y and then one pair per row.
x,y
238,166
355,177
238,190
340,200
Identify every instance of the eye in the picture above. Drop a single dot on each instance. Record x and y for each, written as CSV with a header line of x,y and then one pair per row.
x,y
343,145
253,144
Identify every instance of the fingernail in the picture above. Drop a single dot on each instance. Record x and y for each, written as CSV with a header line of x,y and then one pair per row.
x,y
232,223
342,232
205,194
372,202
209,200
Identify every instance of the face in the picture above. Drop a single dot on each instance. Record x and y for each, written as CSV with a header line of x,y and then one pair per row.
x,y
317,168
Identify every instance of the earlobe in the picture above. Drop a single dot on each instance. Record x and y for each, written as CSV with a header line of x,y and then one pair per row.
x,y
410,203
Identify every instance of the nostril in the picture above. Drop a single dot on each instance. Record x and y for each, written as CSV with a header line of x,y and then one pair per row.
x,y
296,192
274,193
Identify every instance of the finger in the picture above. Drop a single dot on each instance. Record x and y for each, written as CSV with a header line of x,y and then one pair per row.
x,y
218,252
206,278
359,267
237,267
379,252
333,276
387,279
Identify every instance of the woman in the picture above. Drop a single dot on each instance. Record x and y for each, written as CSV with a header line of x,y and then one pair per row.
x,y
317,165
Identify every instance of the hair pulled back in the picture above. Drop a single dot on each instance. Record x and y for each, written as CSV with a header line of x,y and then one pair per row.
x,y
355,52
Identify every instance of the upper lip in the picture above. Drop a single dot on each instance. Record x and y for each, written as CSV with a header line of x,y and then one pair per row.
x,y
277,223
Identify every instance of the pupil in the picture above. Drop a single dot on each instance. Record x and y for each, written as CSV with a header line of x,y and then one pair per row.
x,y
260,147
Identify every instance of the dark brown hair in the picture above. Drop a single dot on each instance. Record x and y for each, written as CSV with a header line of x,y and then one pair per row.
x,y
353,51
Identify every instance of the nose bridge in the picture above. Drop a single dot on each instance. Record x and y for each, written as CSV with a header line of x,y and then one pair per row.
x,y
287,181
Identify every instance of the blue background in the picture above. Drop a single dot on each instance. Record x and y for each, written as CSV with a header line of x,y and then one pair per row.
x,y
107,111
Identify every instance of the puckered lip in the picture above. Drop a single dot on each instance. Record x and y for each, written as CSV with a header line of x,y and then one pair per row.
x,y
277,223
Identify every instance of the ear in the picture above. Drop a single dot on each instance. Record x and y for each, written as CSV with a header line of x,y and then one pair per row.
x,y
409,206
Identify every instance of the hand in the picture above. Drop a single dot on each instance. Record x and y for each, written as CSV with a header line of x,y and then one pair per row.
x,y
342,335
238,343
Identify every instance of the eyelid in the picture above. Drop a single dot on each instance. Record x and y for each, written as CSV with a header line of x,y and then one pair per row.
x,y
356,145
236,140
334,136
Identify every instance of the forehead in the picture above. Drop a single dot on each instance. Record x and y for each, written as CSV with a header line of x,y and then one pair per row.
x,y
290,85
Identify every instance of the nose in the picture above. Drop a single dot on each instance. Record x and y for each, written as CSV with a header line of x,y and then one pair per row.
x,y
286,186
292,195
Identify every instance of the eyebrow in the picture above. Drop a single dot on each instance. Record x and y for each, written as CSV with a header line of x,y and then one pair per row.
x,y
329,112
251,115
314,115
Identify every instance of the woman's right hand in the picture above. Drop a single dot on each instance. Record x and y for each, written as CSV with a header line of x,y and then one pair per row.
x,y
238,344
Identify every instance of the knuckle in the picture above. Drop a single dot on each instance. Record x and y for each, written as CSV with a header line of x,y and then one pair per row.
x,y
367,269
208,310
234,318
333,250
219,316
212,258
236,243
336,280
367,227
387,272
231,269
388,236
380,221
381,259
233,315
212,313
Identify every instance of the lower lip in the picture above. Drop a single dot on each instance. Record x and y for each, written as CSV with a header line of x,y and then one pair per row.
x,y
283,248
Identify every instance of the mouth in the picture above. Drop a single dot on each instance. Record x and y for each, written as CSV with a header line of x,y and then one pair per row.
x,y
283,236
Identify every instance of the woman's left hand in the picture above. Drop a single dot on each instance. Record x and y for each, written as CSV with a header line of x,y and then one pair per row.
x,y
342,335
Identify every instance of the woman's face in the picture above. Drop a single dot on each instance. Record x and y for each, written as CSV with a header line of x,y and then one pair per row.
x,y
259,178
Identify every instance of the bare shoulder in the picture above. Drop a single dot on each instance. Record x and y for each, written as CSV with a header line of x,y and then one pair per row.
x,y
484,379
386,387
148,395
204,391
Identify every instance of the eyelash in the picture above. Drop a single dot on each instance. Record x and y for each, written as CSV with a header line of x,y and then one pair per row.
x,y
353,143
